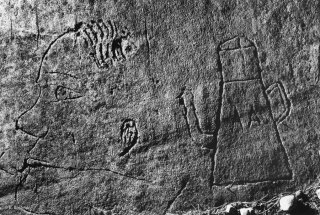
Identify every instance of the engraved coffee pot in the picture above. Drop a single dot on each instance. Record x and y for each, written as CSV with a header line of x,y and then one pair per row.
x,y
249,147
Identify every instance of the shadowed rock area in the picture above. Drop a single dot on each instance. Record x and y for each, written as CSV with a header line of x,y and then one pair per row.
x,y
156,107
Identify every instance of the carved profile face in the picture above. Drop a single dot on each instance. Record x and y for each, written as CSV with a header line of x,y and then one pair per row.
x,y
75,119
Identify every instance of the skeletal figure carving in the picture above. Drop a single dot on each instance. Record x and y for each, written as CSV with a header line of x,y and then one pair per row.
x,y
108,44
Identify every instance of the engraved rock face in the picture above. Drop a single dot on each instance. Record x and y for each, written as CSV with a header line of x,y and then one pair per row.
x,y
156,107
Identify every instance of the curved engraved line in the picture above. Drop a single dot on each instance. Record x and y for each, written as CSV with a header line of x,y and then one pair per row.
x,y
108,31
93,32
59,85
283,97
239,80
185,110
68,98
18,127
32,212
113,29
38,98
22,179
4,168
197,122
88,36
244,182
37,141
34,144
286,101
229,40
184,184
48,49
100,29
35,163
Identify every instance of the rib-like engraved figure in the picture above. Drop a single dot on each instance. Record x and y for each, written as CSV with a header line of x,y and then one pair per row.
x,y
101,40
108,45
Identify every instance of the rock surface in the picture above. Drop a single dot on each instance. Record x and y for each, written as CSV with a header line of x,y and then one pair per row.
x,y
318,193
155,107
287,203
246,211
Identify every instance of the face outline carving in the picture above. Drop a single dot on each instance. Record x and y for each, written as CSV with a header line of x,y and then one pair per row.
x,y
73,112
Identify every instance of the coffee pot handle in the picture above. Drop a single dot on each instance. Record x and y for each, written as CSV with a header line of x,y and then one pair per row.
x,y
283,97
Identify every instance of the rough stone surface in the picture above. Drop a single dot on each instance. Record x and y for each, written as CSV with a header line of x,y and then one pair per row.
x,y
318,193
246,211
287,202
154,107
230,209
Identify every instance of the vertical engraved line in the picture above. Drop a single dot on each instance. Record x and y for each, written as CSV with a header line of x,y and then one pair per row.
x,y
217,120
318,64
37,24
88,36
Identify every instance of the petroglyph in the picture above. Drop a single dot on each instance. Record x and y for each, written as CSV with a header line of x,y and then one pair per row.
x,y
68,99
248,138
101,126
192,121
231,44
184,182
129,135
106,44
205,100
65,93
279,101
203,135
29,212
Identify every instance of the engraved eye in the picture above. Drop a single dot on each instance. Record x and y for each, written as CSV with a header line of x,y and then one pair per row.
x,y
128,47
64,93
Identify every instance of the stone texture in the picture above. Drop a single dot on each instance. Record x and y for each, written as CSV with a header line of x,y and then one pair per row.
x,y
287,203
154,107
246,211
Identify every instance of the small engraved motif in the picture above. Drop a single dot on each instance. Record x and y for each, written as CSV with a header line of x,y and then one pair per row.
x,y
129,135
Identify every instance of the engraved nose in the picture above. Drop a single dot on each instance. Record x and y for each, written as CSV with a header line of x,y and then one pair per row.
x,y
32,123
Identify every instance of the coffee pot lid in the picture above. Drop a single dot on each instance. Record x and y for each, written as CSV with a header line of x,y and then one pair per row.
x,y
236,43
